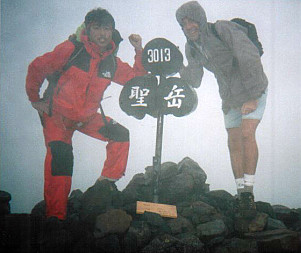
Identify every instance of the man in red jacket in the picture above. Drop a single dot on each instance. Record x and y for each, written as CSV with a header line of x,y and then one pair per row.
x,y
75,100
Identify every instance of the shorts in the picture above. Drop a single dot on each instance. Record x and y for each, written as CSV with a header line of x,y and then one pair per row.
x,y
234,117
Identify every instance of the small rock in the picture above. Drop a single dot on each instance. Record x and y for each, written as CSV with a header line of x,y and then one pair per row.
x,y
209,230
138,189
288,216
265,207
138,235
244,225
168,170
5,197
259,222
275,224
199,212
180,225
114,221
276,241
238,245
96,200
156,223
187,165
39,209
108,244
169,244
177,189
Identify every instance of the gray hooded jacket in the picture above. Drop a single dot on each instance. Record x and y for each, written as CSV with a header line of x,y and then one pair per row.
x,y
231,56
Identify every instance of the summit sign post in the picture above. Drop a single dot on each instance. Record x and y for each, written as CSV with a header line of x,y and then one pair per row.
x,y
157,94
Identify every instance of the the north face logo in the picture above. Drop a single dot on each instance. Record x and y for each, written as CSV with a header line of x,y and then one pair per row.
x,y
107,67
106,74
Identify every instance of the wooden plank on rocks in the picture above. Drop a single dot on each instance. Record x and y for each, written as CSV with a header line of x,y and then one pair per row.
x,y
164,210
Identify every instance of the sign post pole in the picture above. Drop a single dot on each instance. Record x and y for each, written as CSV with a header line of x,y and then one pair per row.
x,y
158,152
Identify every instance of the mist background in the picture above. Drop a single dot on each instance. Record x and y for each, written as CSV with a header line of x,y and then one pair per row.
x,y
33,27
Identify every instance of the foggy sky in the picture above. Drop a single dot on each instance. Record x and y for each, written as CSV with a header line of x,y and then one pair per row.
x,y
33,27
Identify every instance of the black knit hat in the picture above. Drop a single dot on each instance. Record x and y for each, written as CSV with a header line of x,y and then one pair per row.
x,y
99,16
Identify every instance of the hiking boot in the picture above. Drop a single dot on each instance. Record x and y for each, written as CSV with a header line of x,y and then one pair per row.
x,y
246,205
102,178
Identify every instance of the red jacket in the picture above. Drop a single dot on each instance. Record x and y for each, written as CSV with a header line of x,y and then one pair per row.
x,y
80,88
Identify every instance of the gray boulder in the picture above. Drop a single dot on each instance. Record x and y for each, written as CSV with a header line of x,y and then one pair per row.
x,y
288,216
138,189
276,241
275,224
99,198
200,212
211,229
169,244
5,198
138,235
265,207
114,221
180,225
237,245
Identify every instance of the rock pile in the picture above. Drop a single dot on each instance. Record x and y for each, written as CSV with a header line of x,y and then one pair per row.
x,y
104,219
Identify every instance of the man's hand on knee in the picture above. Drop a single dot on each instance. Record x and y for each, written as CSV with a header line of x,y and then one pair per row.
x,y
249,106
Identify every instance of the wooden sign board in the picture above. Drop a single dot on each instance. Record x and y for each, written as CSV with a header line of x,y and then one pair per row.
x,y
162,209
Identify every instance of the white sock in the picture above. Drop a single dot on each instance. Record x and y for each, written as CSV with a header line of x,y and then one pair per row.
x,y
239,185
249,180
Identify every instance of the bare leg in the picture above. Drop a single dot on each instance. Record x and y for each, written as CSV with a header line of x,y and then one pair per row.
x,y
250,154
244,156
236,151
243,148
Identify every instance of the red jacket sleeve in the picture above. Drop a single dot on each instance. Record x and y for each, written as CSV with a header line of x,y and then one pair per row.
x,y
125,72
45,65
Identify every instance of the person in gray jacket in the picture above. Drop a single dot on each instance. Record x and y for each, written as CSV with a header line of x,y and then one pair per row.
x,y
227,51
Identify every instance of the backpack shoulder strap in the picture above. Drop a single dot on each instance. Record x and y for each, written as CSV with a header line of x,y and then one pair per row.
x,y
53,78
78,48
114,62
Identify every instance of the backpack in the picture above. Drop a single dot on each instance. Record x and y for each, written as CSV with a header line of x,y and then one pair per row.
x,y
251,32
